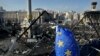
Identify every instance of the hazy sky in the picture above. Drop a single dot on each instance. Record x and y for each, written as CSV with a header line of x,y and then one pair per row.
x,y
62,5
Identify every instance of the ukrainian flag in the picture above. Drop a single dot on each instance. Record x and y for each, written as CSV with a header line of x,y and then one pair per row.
x,y
65,44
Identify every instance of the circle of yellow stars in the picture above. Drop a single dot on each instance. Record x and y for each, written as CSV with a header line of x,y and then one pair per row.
x,y
68,53
60,43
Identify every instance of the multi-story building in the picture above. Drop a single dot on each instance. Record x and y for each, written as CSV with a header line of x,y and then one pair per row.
x,y
16,15
1,9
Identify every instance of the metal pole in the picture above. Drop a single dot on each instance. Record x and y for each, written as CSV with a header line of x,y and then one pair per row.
x,y
29,11
29,15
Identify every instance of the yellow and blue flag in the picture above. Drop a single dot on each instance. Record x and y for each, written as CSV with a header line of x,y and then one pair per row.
x,y
65,44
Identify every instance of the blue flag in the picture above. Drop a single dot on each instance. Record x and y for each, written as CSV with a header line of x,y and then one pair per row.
x,y
65,44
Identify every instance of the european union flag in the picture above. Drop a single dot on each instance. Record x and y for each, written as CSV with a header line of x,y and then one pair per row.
x,y
65,44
